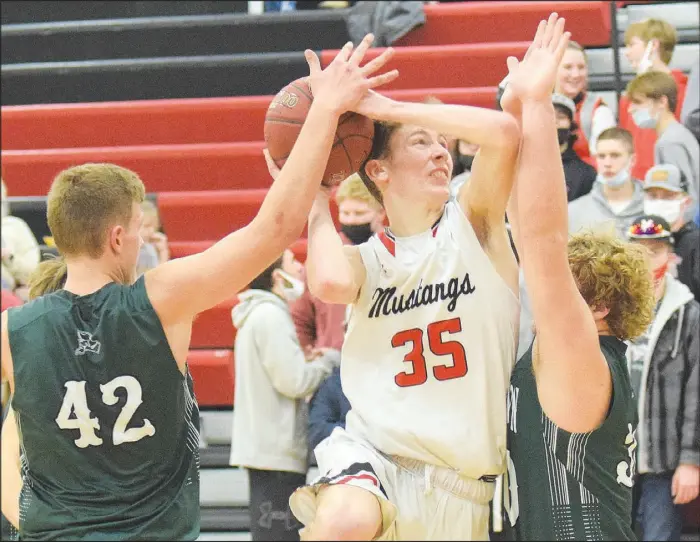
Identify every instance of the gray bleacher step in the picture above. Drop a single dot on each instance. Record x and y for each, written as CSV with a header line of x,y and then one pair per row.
x,y
173,36
215,456
224,519
223,487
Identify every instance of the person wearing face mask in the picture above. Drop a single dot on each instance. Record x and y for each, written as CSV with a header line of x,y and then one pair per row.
x,y
579,175
664,365
273,379
616,197
665,196
319,324
649,46
653,98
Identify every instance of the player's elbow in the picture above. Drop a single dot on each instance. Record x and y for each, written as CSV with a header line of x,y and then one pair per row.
x,y
506,133
330,289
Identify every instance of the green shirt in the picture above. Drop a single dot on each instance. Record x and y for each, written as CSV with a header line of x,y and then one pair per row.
x,y
108,425
571,486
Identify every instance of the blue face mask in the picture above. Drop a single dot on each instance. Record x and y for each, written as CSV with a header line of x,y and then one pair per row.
x,y
617,180
643,118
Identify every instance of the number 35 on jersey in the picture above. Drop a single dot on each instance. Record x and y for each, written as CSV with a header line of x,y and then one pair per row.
x,y
75,402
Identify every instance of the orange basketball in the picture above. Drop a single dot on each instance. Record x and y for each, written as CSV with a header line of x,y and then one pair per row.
x,y
286,116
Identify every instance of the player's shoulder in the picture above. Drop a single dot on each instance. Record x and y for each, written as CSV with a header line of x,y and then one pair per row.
x,y
27,313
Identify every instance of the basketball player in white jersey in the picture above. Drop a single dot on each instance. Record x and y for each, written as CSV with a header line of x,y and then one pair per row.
x,y
431,338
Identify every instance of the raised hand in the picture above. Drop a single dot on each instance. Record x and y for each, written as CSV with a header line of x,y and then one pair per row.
x,y
343,83
534,77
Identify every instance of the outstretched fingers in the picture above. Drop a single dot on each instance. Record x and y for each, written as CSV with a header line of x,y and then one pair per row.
x,y
557,34
359,53
537,41
373,65
549,30
313,62
561,46
382,79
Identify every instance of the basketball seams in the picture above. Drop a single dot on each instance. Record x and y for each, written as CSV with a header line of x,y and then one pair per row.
x,y
303,92
283,124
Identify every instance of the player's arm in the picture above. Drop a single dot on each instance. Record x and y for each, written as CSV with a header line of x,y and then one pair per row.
x,y
485,197
11,476
181,288
335,271
573,379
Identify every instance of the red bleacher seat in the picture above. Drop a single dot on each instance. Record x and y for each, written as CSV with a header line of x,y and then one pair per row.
x,y
207,215
488,22
213,375
178,249
470,65
214,328
168,122
211,166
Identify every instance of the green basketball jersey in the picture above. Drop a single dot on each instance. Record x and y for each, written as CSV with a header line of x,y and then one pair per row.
x,y
108,425
571,486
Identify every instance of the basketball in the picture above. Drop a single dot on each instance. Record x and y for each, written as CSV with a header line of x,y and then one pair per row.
x,y
285,117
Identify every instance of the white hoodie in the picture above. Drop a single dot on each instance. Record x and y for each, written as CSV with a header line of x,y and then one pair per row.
x,y
272,380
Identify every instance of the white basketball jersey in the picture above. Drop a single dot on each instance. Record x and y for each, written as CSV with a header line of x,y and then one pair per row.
x,y
429,348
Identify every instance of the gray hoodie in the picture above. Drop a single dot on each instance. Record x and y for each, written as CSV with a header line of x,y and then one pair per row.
x,y
669,410
272,381
593,211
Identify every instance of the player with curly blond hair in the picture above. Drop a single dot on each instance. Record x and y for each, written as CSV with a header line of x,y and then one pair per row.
x,y
572,416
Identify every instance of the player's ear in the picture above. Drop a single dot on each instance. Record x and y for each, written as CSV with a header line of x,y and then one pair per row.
x,y
377,172
116,238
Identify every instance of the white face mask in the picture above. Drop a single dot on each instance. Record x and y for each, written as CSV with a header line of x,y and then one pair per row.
x,y
617,180
668,209
292,288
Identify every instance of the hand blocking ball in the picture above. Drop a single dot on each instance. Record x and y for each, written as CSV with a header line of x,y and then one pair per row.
x,y
286,116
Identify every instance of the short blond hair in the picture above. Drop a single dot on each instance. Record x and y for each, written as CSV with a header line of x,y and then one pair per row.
x,y
654,85
85,201
654,29
354,188
615,275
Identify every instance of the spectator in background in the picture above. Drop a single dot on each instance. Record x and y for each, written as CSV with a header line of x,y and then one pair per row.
x,y
664,366
327,410
463,160
592,115
665,195
653,98
649,46
20,251
318,324
579,175
273,379
616,198
690,113
154,250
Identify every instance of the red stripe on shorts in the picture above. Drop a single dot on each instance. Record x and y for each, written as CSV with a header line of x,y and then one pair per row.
x,y
364,476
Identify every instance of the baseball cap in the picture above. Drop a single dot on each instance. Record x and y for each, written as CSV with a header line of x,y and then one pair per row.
x,y
650,227
666,176
565,102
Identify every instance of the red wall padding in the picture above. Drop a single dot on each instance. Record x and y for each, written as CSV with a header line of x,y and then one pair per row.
x,y
214,328
489,22
164,122
205,216
213,376
179,249
471,65
212,166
